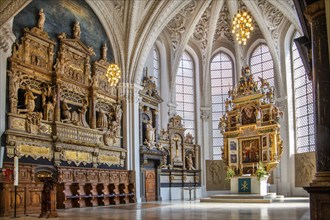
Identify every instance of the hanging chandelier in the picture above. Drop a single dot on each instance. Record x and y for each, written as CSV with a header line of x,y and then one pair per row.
x,y
113,74
242,26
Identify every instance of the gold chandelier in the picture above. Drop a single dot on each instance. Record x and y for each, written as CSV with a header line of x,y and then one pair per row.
x,y
242,26
113,74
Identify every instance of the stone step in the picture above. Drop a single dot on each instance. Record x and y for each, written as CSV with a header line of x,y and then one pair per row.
x,y
235,196
243,200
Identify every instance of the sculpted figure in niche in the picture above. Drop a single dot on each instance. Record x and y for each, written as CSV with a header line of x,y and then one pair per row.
x,y
119,113
190,162
76,30
66,111
82,114
189,138
150,132
41,21
102,120
28,101
49,112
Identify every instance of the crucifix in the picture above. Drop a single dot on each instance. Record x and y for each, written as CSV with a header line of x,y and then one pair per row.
x,y
176,140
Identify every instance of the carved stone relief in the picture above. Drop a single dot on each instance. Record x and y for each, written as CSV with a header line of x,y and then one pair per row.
x,y
119,6
177,25
305,168
216,175
201,30
223,28
273,18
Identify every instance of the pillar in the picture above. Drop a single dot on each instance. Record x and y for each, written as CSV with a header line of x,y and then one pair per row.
x,y
7,38
206,144
131,132
319,189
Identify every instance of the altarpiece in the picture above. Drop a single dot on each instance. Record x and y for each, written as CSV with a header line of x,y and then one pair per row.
x,y
64,114
250,126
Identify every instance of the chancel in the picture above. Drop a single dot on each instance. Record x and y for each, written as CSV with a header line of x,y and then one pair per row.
x,y
188,108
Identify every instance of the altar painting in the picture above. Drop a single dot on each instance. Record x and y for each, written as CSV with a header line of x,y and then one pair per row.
x,y
250,149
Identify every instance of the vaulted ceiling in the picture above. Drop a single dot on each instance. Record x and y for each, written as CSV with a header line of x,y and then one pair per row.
x,y
134,26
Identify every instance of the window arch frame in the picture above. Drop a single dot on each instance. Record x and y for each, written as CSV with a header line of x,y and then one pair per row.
x,y
310,113
214,119
157,79
193,119
251,53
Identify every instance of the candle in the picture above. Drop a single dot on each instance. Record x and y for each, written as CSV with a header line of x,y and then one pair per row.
x,y
16,171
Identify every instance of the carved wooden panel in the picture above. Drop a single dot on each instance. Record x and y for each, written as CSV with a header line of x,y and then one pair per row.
x,y
150,185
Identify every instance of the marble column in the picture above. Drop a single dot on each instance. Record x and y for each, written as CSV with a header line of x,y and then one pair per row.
x,y
319,189
206,144
7,38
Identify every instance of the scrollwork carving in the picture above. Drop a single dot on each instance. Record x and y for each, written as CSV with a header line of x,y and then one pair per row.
x,y
273,17
223,28
201,30
177,25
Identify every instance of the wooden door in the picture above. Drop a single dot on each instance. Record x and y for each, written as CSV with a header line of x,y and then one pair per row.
x,y
150,185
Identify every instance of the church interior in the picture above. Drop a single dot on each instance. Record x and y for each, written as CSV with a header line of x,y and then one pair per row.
x,y
147,109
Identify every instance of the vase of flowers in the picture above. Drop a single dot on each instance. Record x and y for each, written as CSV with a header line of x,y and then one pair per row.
x,y
261,172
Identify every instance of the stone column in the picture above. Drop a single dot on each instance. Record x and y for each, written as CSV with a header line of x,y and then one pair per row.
x,y
206,144
319,189
131,132
7,38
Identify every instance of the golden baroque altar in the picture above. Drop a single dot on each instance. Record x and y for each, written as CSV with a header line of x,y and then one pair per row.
x,y
250,126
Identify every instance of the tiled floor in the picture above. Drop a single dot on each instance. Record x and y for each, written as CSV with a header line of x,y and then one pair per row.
x,y
290,208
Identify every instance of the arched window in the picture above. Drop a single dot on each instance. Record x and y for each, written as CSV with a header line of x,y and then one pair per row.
x,y
156,67
303,104
221,82
185,92
261,64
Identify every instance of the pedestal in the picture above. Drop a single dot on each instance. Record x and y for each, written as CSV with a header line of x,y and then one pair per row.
x,y
248,185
